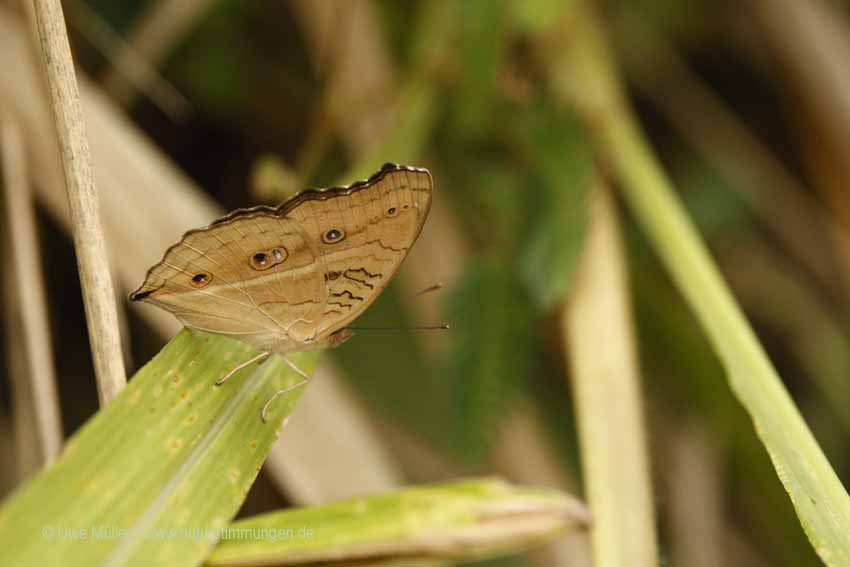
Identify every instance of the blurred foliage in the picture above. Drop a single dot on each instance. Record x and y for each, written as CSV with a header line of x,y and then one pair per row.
x,y
391,368
490,351
475,100
559,179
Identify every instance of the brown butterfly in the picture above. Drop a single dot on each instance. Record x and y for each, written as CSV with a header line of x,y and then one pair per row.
x,y
291,278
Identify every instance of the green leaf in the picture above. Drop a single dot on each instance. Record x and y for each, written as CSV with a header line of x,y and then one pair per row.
x,y
457,521
490,352
151,478
562,168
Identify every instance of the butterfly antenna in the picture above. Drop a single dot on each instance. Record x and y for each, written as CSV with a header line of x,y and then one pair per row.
x,y
429,289
443,327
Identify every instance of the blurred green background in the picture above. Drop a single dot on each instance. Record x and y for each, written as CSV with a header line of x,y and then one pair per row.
x,y
278,96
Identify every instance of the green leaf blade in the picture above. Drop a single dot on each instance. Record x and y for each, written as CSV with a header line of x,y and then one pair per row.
x,y
461,520
153,476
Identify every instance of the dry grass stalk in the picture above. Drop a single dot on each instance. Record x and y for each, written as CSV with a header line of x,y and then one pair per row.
x,y
90,246
24,448
347,37
36,405
695,504
608,399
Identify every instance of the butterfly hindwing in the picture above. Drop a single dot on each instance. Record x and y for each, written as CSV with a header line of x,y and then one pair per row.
x,y
363,235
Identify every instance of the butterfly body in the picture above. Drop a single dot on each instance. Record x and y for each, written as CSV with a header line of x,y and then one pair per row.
x,y
290,278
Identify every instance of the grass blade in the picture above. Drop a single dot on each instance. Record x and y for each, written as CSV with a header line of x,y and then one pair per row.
x,y
152,477
461,520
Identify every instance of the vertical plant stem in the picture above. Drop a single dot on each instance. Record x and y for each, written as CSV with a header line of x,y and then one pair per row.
x,y
606,386
26,446
820,500
29,322
98,293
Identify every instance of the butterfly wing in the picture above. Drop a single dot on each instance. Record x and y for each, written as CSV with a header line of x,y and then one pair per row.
x,y
288,278
259,279
363,232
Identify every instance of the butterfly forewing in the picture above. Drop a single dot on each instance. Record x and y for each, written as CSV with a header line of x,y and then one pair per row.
x,y
212,281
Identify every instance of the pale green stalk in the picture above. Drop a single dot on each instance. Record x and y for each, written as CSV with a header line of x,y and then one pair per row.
x,y
607,392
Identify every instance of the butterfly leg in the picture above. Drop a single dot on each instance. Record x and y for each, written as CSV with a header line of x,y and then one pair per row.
x,y
259,358
285,390
297,370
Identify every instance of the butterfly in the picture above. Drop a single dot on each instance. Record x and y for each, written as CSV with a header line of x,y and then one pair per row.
x,y
291,278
